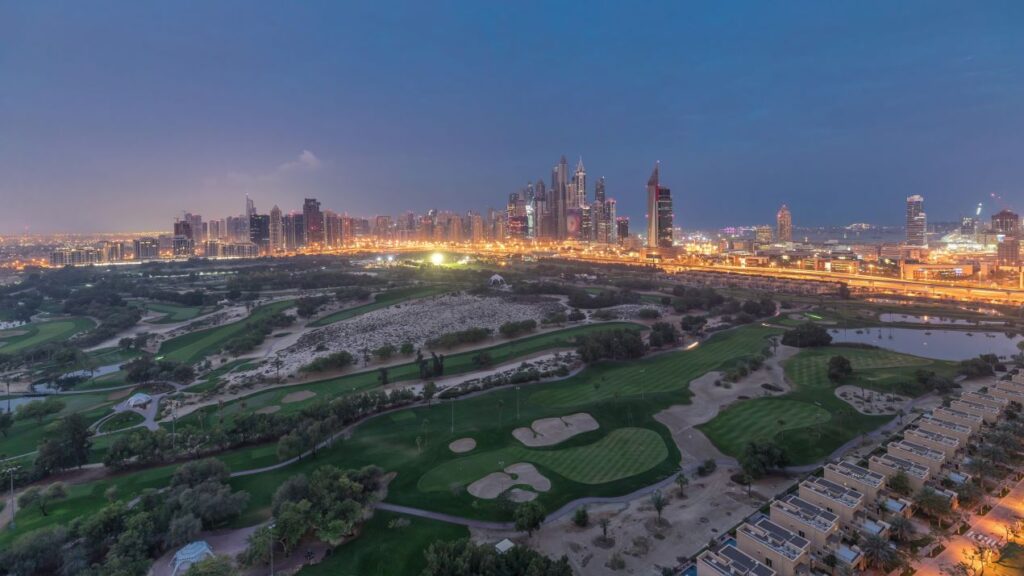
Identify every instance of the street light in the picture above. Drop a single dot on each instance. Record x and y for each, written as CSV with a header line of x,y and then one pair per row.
x,y
271,528
14,503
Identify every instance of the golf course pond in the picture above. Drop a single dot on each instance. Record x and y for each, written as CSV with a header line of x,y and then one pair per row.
x,y
938,344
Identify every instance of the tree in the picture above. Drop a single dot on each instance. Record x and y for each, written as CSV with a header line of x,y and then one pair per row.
x,y
183,529
933,504
429,390
462,557
581,517
6,421
38,409
759,458
900,483
839,368
807,335
878,553
901,529
681,482
604,522
658,501
41,498
528,517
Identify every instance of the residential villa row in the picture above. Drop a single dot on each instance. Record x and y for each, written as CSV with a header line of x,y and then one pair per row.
x,y
804,530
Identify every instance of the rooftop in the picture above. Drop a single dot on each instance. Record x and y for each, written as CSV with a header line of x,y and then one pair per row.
x,y
906,466
947,424
775,537
976,406
933,436
943,411
857,473
922,451
836,492
731,561
984,396
805,512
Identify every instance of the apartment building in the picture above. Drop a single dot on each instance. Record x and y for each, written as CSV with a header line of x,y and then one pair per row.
x,y
850,475
806,520
933,423
951,414
775,547
988,413
923,455
948,445
987,399
846,503
890,465
1009,391
730,561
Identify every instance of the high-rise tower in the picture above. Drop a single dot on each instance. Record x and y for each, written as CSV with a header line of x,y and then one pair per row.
x,y
784,224
659,212
561,191
917,221
276,231
314,222
579,180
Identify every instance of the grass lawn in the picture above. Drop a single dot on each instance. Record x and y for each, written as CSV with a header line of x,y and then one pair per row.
x,y
33,334
382,300
172,312
386,547
85,499
195,346
23,437
811,421
362,381
122,420
210,381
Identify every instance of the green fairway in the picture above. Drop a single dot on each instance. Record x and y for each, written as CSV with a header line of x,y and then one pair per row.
x,y
811,421
195,346
623,453
172,312
663,373
388,545
382,300
24,435
36,334
121,421
363,381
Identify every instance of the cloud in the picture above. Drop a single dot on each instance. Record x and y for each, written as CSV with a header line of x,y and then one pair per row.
x,y
306,161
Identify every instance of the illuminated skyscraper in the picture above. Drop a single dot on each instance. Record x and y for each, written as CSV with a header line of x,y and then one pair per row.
x,y
314,221
659,212
784,224
917,221
276,231
579,180
560,190
1006,222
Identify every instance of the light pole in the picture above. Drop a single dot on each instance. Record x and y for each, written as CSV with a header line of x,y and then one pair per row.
x,y
453,415
14,503
272,539
517,403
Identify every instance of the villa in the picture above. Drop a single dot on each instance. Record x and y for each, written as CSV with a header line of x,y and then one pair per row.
x,y
934,423
987,399
988,413
730,561
853,476
775,547
972,421
948,445
890,465
845,502
927,457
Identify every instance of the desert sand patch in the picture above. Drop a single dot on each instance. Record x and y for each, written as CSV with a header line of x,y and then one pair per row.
x,y
869,401
551,431
462,445
298,396
268,409
491,486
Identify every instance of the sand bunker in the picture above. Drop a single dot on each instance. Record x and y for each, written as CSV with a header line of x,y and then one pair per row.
x,y
491,486
869,401
520,495
268,409
551,431
462,445
298,396
118,394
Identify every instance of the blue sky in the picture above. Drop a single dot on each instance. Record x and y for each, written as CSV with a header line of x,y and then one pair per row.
x,y
119,115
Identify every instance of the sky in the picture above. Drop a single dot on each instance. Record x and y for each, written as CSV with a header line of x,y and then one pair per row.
x,y
118,116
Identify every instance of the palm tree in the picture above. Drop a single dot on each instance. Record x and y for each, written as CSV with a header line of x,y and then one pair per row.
x,y
659,503
901,529
681,482
878,553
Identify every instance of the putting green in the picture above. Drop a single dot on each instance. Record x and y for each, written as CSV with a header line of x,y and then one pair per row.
x,y
172,312
761,419
622,453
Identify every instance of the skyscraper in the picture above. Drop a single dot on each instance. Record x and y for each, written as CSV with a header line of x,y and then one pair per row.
x,y
314,221
250,211
1006,222
276,231
561,191
784,224
659,212
917,221
579,180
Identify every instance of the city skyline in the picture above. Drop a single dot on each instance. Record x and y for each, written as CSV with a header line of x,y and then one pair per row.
x,y
368,122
